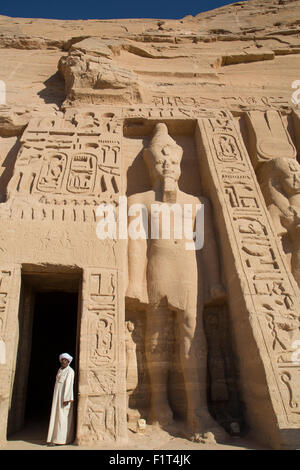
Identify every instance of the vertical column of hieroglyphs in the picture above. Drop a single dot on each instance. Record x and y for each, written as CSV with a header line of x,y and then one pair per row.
x,y
10,279
270,293
102,410
101,407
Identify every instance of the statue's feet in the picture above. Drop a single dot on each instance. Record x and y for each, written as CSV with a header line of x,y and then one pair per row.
x,y
206,430
132,419
133,415
203,438
162,416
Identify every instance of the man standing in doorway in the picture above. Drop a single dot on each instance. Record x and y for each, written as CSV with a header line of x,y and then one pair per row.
x,y
61,424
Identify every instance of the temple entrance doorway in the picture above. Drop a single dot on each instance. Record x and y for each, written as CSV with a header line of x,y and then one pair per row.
x,y
48,326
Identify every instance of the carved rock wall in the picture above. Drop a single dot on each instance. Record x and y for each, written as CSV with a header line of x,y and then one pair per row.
x,y
80,108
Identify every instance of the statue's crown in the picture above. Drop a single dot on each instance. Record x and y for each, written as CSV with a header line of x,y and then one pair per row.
x,y
161,136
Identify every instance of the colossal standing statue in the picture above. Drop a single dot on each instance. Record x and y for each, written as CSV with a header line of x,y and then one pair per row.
x,y
169,279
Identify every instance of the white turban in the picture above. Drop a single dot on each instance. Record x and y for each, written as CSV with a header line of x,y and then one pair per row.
x,y
66,356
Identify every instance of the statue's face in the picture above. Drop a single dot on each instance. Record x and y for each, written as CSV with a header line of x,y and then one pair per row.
x,y
130,326
166,161
291,179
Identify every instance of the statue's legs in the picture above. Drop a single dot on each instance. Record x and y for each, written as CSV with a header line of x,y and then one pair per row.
x,y
157,355
193,355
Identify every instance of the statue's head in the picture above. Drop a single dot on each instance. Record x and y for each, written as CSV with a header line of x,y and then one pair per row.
x,y
130,326
281,173
163,156
288,171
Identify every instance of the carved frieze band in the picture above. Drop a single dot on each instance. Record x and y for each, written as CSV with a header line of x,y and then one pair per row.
x,y
274,295
67,167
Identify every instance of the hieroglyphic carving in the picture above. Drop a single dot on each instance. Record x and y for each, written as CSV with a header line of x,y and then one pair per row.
x,y
102,381
147,112
82,174
256,102
99,423
100,416
72,158
226,148
52,173
5,279
273,296
231,102
102,351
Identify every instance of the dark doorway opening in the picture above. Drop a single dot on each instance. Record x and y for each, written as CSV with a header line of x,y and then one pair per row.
x,y
49,322
53,332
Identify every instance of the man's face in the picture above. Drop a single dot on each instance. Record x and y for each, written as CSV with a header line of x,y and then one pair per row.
x,y
166,161
64,363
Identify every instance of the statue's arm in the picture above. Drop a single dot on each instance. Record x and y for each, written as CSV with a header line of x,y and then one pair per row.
x,y
137,261
279,208
278,199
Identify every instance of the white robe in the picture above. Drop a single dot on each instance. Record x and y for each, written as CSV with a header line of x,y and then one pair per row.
x,y
61,420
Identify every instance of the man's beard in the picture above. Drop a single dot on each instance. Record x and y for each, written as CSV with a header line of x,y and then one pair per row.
x,y
169,189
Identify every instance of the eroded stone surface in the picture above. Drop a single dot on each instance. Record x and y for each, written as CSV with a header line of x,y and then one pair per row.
x,y
160,351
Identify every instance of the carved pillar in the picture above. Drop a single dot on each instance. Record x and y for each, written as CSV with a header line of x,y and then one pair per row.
x,y
102,380
10,281
263,296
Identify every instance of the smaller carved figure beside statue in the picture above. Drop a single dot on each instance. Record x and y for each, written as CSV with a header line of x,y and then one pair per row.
x,y
280,183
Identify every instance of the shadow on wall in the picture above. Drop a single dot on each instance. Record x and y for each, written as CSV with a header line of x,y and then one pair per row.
x,y
8,165
138,179
54,91
223,397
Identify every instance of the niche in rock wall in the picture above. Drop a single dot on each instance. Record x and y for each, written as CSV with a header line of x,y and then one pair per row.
x,y
224,402
137,136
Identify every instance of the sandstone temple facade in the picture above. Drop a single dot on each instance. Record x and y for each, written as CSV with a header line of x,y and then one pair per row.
x,y
212,335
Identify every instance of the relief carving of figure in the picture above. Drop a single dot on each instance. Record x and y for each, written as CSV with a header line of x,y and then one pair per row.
x,y
169,279
280,184
132,378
